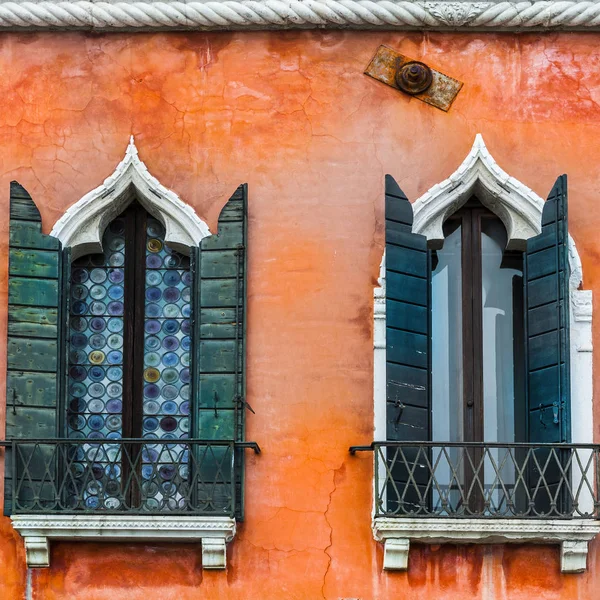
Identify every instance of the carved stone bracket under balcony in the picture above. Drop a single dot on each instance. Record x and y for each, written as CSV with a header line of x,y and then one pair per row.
x,y
573,535
212,532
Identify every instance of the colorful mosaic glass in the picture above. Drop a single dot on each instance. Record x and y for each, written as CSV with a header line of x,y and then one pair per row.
x,y
96,366
95,391
95,403
167,344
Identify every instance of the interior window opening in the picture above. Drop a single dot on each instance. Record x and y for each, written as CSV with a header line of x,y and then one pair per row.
x,y
478,370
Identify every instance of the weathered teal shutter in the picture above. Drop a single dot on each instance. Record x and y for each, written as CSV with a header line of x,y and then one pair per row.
x,y
33,332
220,338
408,338
546,276
547,327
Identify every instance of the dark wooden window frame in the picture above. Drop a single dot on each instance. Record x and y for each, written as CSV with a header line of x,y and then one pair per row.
x,y
133,319
133,339
470,218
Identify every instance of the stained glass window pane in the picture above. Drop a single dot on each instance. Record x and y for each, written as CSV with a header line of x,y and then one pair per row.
x,y
167,339
99,315
95,390
95,405
166,371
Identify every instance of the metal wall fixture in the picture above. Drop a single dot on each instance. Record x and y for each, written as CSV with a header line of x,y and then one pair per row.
x,y
413,77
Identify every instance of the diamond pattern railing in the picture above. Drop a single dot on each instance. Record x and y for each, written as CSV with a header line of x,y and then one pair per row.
x,y
126,476
478,480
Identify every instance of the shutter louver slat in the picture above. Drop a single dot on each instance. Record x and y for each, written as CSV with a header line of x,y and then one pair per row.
x,y
408,336
220,332
33,336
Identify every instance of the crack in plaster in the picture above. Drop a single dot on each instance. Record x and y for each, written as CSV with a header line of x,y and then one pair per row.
x,y
275,548
328,547
582,92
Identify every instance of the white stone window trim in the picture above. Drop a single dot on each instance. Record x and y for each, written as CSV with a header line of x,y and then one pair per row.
x,y
572,535
81,228
212,532
83,224
521,211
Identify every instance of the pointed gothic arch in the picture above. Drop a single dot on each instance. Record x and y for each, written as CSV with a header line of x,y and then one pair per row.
x,y
82,225
519,208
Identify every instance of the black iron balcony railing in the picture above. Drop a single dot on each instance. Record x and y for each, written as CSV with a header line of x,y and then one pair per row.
x,y
479,480
143,476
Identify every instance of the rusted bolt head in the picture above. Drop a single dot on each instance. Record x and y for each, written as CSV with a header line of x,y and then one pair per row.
x,y
414,77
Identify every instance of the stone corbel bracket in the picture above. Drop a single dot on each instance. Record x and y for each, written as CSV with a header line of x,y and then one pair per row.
x,y
212,532
573,536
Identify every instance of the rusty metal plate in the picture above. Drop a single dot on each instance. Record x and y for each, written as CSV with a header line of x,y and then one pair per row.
x,y
385,64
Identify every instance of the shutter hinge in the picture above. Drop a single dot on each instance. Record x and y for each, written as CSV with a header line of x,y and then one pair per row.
x,y
241,402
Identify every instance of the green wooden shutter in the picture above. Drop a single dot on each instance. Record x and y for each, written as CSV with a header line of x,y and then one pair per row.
x,y
546,276
33,332
220,339
408,336
547,328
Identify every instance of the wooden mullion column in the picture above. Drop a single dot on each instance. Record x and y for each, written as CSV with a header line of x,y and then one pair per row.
x,y
133,350
472,355
467,326
477,298
138,315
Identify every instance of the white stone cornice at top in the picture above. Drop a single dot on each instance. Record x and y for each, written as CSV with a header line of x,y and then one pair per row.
x,y
519,208
83,224
498,15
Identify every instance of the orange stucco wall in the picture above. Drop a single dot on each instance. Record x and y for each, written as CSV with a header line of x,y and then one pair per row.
x,y
293,115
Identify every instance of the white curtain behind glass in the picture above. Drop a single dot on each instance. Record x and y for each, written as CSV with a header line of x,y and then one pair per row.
x,y
498,343
446,343
446,364
498,358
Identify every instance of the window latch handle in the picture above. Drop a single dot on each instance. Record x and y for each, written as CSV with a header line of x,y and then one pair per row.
x,y
401,408
13,395
216,399
555,412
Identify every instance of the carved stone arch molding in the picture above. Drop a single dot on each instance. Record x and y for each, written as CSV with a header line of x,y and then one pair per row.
x,y
83,224
519,208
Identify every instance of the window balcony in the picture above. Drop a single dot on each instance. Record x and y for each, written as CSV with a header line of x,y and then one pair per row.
x,y
127,489
431,492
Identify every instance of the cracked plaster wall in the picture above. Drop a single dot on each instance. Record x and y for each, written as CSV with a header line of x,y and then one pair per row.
x,y
292,114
